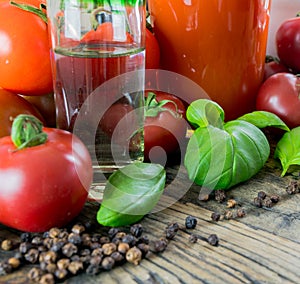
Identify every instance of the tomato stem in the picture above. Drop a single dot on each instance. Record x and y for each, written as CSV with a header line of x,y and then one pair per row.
x,y
153,107
29,8
27,131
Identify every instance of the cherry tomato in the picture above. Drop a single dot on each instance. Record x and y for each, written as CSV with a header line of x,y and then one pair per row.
x,y
280,94
166,130
152,51
12,105
25,66
288,44
43,186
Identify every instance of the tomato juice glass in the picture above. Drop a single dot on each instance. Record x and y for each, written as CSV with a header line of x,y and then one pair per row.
x,y
98,63
219,44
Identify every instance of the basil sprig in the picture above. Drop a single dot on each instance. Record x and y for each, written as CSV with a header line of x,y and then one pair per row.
x,y
130,193
288,149
220,155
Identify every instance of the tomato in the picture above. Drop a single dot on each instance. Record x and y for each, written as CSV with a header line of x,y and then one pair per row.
x,y
113,116
167,129
280,94
12,105
152,51
164,125
46,106
25,65
46,185
274,67
288,43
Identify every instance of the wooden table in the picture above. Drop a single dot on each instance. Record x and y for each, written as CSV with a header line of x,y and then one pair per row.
x,y
261,247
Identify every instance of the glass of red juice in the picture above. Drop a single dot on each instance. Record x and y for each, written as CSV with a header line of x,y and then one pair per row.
x,y
98,63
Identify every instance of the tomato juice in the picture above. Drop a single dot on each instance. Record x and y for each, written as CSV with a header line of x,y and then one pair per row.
x,y
219,44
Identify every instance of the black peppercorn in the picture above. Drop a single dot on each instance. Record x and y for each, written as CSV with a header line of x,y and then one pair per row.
x,y
213,240
193,238
257,202
274,198
61,274
25,237
261,195
123,247
95,260
5,268
134,255
74,239
215,216
190,222
136,230
35,274
112,232
144,248
130,239
54,232
220,195
92,269
117,256
157,246
78,229
69,249
109,248
75,267
63,263
7,244
47,278
107,263
14,262
267,202
32,255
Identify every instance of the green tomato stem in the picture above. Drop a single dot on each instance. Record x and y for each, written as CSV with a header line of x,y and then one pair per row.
x,y
27,131
29,8
153,107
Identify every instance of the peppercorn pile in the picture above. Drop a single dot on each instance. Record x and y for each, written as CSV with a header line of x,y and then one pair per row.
x,y
60,253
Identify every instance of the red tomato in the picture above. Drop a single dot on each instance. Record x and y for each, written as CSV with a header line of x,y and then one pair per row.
x,y
112,117
25,66
46,106
12,105
166,130
43,186
152,51
280,94
274,67
288,43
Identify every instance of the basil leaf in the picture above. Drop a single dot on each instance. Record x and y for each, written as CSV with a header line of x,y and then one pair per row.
x,y
221,157
288,149
130,193
203,112
262,119
251,150
208,157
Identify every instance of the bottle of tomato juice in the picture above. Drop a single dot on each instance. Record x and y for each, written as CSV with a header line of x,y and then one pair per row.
x,y
219,44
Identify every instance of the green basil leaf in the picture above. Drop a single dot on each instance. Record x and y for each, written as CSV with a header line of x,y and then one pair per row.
x,y
209,156
130,193
288,149
262,119
251,150
220,159
203,112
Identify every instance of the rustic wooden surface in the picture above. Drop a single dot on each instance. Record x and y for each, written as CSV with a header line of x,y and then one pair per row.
x,y
261,247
